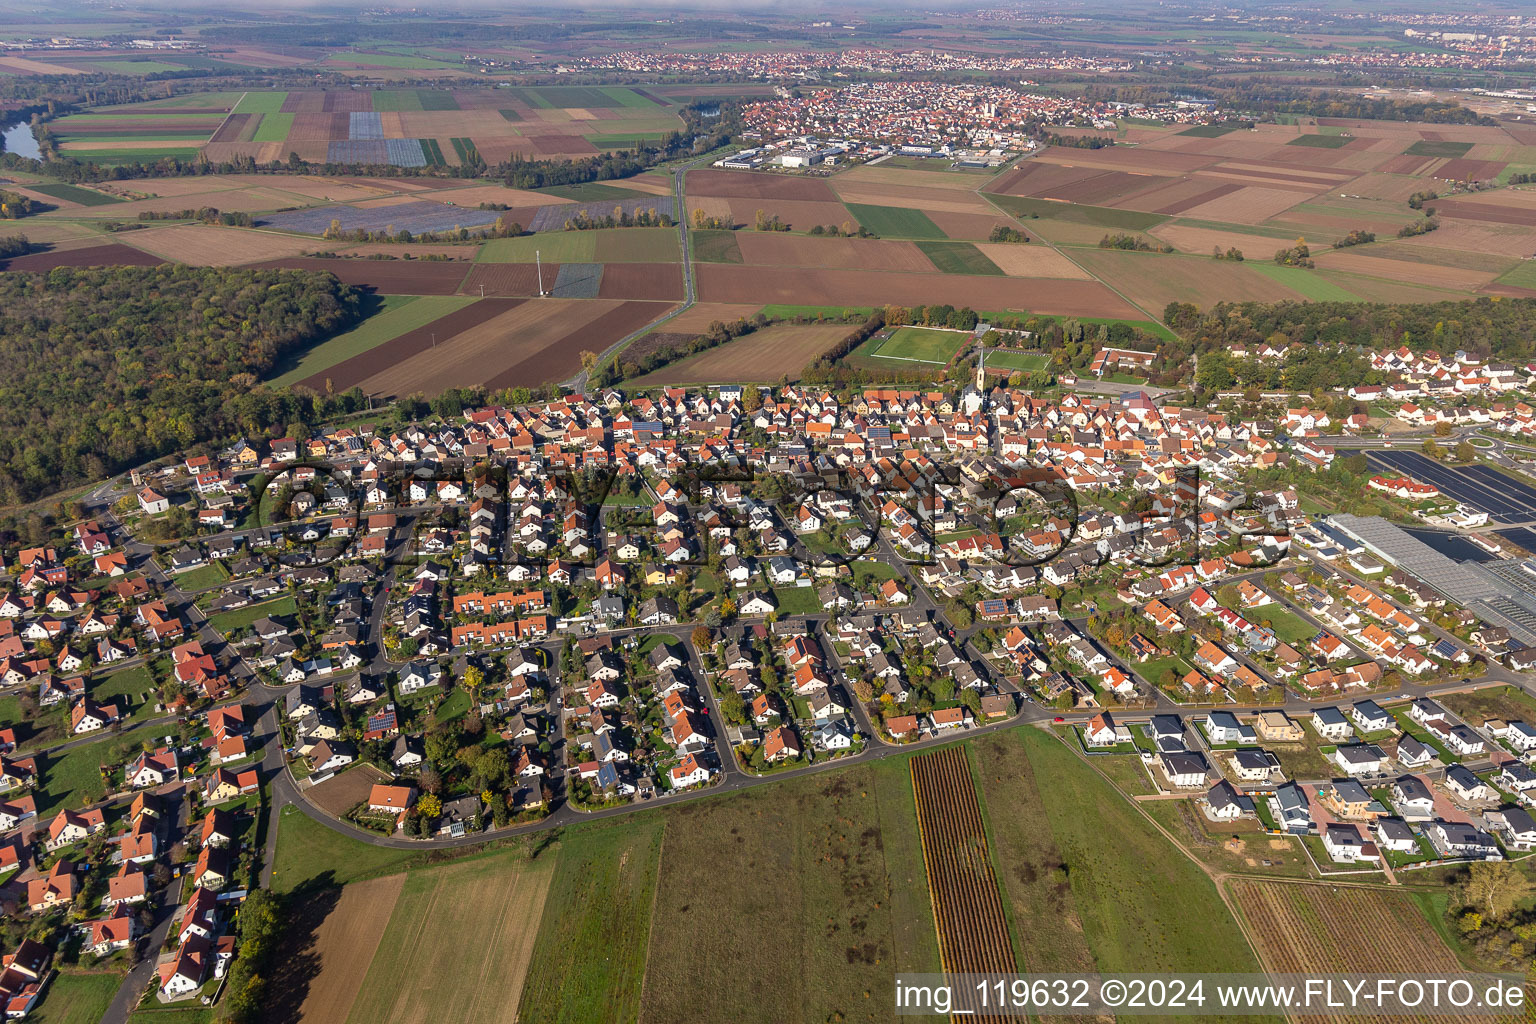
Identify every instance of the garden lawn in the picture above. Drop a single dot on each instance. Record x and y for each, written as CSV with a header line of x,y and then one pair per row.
x,y
77,998
239,618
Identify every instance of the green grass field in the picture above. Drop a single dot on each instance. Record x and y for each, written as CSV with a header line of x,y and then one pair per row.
x,y
588,96
921,344
591,192
65,125
1141,904
464,149
1308,283
1320,141
133,688
958,258
638,245
273,128
75,194
1016,360
895,221
1446,149
394,60
261,102
553,246
133,156
1522,276
397,315
589,958
433,152
204,576
74,777
308,850
136,67
715,247
396,99
75,997
1097,216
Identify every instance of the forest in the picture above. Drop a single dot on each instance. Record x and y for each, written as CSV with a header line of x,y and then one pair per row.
x,y
1489,328
105,368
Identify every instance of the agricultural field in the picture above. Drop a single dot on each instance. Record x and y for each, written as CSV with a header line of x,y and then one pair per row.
x,y
1305,927
588,960
847,908
404,127
463,934
972,925
392,316
1137,904
763,356
344,944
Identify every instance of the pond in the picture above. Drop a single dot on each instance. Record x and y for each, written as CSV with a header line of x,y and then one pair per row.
x,y
20,140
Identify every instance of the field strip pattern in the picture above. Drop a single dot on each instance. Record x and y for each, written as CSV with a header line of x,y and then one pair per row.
x,y
347,940
967,905
1312,928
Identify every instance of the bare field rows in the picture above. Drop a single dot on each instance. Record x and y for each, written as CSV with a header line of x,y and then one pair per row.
x,y
458,944
796,286
345,944
773,248
1403,270
1302,927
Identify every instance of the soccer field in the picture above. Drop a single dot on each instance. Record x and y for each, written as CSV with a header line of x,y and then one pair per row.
x,y
921,344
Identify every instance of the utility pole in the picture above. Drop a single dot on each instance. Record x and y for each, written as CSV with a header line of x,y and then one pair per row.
x,y
539,266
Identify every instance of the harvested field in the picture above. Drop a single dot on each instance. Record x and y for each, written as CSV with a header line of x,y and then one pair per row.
x,y
1403,270
971,226
344,945
843,288
399,277
1305,927
377,358
1247,205
1187,199
800,216
1464,210
913,198
638,245
347,789
458,943
394,315
848,909
111,254
882,174
750,185
1030,260
1470,170
1199,241
715,247
406,251
772,248
968,908
1377,289
561,359
642,281
1095,216
697,317
477,194
760,357
1138,160
1152,281
530,343
244,200
204,245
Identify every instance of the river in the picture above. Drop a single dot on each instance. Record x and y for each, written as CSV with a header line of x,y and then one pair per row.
x,y
19,140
